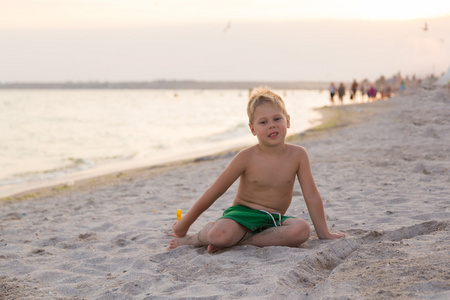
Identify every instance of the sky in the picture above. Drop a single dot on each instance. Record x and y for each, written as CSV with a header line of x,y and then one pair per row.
x,y
221,40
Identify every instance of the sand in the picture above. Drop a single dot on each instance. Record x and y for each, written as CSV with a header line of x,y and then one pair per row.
x,y
383,170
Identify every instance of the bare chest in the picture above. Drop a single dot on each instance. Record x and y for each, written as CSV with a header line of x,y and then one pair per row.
x,y
277,175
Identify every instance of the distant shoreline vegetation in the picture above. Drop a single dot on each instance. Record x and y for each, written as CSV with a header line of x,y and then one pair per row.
x,y
167,84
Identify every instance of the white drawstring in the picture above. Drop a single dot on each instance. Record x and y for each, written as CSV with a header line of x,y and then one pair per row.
x,y
273,219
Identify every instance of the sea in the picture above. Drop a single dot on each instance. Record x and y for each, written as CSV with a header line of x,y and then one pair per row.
x,y
53,136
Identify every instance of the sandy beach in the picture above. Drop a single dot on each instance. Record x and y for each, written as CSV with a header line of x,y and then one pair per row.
x,y
383,170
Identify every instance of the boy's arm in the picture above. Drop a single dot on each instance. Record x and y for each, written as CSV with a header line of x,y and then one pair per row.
x,y
313,199
217,189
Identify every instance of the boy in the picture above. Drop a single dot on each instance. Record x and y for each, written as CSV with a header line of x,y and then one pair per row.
x,y
267,174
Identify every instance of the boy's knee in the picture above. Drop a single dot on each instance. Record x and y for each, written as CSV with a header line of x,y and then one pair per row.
x,y
218,236
300,231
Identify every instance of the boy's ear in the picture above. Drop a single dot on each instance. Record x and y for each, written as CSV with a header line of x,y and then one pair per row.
x,y
288,121
251,128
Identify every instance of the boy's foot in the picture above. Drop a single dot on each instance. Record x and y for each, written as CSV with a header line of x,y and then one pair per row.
x,y
189,240
212,248
185,241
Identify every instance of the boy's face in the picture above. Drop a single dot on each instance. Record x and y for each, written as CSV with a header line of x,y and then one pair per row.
x,y
269,124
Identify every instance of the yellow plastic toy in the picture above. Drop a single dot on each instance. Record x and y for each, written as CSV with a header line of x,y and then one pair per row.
x,y
178,214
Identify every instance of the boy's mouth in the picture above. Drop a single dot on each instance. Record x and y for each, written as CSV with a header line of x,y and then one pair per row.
x,y
273,134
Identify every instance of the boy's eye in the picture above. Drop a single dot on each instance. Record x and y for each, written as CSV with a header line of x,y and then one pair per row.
x,y
262,122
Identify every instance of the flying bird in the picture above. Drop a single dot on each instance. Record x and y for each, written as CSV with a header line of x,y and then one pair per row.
x,y
227,27
425,27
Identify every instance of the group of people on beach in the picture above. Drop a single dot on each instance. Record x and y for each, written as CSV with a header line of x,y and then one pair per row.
x,y
367,90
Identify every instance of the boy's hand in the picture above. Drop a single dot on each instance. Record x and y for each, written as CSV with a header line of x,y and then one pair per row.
x,y
178,231
336,235
333,236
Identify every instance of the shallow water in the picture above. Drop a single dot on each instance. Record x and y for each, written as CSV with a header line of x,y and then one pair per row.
x,y
47,134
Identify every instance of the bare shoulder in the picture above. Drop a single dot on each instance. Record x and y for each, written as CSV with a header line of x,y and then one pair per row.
x,y
244,155
297,150
247,152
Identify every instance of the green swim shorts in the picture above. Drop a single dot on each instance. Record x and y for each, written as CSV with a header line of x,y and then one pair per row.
x,y
253,219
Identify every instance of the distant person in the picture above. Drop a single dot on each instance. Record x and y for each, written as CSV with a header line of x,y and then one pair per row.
x,y
363,92
353,89
372,93
266,172
332,92
341,92
387,92
402,85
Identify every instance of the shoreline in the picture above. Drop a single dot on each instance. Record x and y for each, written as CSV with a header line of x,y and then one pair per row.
x,y
333,118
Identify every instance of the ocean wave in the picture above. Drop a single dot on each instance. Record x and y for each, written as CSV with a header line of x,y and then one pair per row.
x,y
73,165
239,130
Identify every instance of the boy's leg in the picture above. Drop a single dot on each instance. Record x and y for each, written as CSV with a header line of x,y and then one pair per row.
x,y
292,233
216,235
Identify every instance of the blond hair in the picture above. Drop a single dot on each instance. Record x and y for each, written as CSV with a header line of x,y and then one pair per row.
x,y
261,95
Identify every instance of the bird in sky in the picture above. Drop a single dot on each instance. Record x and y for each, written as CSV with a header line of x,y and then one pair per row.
x,y
227,27
425,27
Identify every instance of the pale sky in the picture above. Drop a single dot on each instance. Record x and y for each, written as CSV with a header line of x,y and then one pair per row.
x,y
126,40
